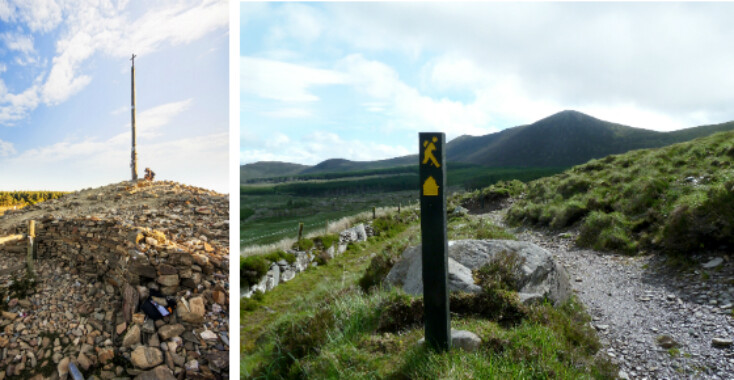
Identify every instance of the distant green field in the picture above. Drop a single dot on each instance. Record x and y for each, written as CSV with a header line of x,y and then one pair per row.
x,y
268,218
271,211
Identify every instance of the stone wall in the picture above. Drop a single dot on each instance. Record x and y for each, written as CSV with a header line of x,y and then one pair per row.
x,y
282,271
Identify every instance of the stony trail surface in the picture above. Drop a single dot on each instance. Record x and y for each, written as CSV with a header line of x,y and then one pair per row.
x,y
655,322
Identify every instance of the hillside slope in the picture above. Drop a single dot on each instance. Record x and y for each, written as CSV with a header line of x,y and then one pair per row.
x,y
268,169
677,199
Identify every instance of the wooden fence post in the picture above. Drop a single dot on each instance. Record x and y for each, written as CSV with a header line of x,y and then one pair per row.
x,y
31,245
373,213
300,231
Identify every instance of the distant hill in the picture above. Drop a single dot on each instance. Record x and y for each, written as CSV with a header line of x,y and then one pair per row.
x,y
564,139
340,165
267,169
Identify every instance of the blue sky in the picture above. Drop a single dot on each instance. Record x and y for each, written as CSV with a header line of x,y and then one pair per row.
x,y
360,80
65,92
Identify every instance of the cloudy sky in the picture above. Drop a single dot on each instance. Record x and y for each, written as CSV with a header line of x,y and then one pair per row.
x,y
359,80
65,92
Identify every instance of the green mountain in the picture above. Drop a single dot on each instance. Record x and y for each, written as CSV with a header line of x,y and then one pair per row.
x,y
268,169
564,139
561,140
338,165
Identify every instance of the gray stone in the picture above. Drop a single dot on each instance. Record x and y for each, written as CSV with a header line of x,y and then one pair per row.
x,y
721,342
273,277
354,234
169,331
465,340
287,275
461,339
713,263
132,337
459,211
158,373
539,277
146,357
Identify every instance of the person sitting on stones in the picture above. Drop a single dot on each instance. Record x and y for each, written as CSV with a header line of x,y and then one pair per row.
x,y
149,174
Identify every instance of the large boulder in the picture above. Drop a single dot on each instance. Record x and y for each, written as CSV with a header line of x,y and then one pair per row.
x,y
539,277
354,234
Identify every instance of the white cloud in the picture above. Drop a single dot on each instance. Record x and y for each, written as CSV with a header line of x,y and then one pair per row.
x,y
15,106
299,22
18,42
39,15
316,146
283,81
289,113
170,24
148,121
184,160
667,59
411,109
6,149
103,26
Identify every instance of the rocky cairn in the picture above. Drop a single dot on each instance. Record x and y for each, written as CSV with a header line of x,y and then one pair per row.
x,y
102,254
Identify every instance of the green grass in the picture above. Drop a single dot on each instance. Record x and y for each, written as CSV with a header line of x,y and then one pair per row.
x,y
678,199
338,339
322,324
272,219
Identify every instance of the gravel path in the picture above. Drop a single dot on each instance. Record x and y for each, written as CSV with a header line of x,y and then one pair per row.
x,y
655,322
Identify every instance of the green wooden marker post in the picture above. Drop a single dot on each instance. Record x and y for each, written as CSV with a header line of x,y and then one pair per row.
x,y
432,162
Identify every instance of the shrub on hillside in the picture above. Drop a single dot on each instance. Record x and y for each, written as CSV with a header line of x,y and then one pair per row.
x,y
303,244
378,269
280,255
607,232
296,338
252,269
568,213
326,241
701,221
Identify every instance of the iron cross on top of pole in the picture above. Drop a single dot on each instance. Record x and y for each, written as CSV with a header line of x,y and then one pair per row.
x,y
133,59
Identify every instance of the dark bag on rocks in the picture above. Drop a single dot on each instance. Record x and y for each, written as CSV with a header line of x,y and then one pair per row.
x,y
150,308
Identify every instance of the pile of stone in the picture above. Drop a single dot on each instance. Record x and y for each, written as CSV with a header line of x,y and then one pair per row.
x,y
102,254
283,271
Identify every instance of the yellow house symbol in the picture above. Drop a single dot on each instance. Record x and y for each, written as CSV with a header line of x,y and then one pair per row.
x,y
430,188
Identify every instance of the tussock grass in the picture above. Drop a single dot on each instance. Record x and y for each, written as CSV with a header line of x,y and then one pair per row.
x,y
356,336
324,325
678,199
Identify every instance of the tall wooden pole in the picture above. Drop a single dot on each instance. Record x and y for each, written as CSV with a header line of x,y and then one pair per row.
x,y
31,245
134,154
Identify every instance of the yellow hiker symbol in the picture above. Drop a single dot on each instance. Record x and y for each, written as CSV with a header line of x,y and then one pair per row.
x,y
430,187
428,153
